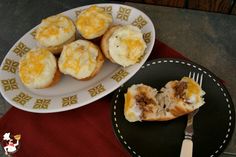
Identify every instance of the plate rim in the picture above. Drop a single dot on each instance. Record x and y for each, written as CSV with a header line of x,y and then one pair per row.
x,y
229,134
89,100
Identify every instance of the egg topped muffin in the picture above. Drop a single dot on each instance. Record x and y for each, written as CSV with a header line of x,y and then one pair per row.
x,y
55,31
93,22
38,69
123,45
81,59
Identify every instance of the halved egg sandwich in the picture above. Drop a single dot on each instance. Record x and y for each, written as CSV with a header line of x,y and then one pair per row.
x,y
177,98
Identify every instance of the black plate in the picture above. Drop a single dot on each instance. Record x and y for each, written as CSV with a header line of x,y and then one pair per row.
x,y
213,125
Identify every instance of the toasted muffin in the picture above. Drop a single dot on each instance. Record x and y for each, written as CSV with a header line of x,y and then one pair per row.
x,y
81,59
177,98
93,22
54,32
38,69
123,45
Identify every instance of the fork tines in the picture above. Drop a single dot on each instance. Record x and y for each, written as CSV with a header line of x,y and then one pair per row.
x,y
198,77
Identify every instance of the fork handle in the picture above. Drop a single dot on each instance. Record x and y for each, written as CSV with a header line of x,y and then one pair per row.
x,y
187,148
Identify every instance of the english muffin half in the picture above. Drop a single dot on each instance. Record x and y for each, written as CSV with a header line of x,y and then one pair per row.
x,y
93,22
38,69
123,45
81,59
54,32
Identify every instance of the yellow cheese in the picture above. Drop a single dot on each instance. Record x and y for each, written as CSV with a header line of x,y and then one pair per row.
x,y
55,30
192,87
93,22
37,68
126,45
132,46
78,59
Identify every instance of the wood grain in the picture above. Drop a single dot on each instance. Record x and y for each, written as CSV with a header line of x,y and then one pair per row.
x,y
172,3
222,6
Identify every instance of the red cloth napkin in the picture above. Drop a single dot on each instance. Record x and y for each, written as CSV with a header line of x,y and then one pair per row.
x,y
86,131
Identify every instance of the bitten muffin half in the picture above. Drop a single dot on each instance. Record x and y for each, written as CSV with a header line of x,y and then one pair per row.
x,y
123,45
38,69
54,32
93,22
81,59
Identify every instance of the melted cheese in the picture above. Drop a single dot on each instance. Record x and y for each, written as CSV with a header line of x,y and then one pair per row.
x,y
126,45
37,68
78,59
93,22
193,87
131,110
55,30
193,91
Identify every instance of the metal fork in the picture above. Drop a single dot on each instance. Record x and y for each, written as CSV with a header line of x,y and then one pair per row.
x,y
187,145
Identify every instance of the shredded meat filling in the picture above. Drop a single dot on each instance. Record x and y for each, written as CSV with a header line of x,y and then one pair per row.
x,y
179,89
145,104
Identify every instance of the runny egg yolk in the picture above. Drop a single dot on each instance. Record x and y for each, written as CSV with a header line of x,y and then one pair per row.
x,y
32,66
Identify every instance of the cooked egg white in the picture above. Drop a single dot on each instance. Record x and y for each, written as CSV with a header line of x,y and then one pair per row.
x,y
93,22
37,68
126,45
55,30
78,59
132,111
